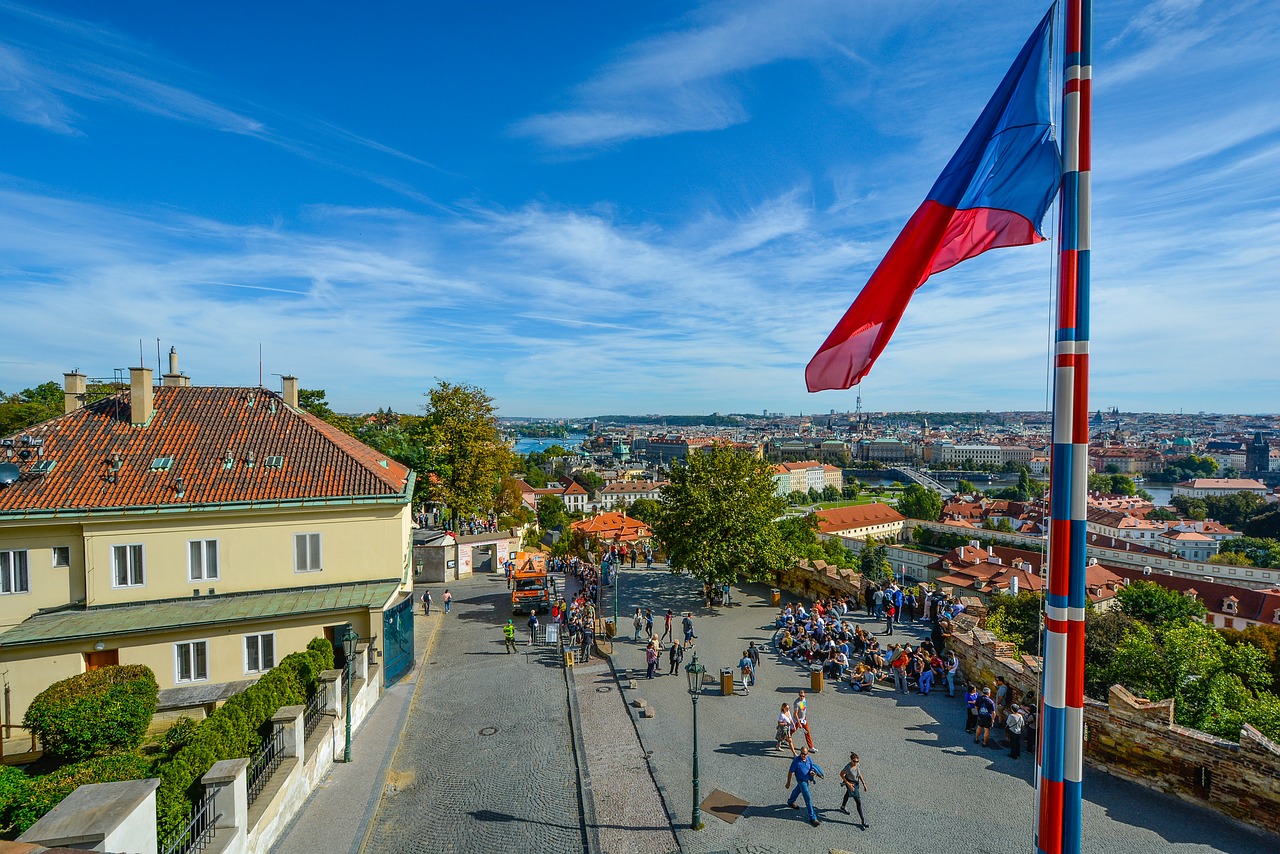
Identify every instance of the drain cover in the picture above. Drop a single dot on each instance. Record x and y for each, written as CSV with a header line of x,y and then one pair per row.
x,y
604,689
488,731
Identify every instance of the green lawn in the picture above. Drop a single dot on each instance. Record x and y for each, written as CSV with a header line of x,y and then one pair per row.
x,y
864,499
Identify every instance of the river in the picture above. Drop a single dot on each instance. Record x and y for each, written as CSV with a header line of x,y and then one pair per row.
x,y
527,445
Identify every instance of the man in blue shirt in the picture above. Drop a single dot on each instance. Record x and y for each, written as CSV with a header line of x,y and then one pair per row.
x,y
804,769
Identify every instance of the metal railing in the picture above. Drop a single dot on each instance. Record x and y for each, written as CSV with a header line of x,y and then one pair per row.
x,y
196,833
270,752
316,707
15,745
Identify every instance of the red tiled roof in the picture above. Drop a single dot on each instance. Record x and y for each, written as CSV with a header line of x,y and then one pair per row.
x,y
197,427
612,526
856,516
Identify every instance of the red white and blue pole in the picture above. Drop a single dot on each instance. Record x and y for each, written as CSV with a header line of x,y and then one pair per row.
x,y
1060,760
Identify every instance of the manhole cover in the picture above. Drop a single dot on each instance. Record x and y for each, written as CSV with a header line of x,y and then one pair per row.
x,y
488,731
604,689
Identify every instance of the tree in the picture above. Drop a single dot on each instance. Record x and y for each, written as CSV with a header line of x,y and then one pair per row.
x,y
552,514
510,497
797,497
717,518
1259,551
1191,508
1264,525
1159,514
644,509
814,495
850,491
964,487
591,482
471,458
30,406
873,561
1016,619
1151,603
1103,632
830,493
917,502
1234,510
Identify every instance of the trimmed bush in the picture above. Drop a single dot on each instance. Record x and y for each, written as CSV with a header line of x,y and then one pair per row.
x,y
101,711
45,793
15,790
235,729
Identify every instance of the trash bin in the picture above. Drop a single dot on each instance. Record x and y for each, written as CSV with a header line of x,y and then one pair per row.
x,y
775,596
610,628
726,681
815,678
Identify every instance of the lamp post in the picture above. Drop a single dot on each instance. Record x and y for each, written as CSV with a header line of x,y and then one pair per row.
x,y
349,640
693,670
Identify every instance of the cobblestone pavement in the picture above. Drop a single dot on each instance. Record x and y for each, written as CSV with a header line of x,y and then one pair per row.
x,y
485,761
929,787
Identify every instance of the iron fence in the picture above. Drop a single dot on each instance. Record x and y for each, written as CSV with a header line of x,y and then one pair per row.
x,y
197,832
270,752
316,707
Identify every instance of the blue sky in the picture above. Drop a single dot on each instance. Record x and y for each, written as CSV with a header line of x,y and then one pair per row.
x,y
591,208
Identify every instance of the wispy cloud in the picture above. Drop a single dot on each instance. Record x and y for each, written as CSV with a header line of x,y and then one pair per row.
x,y
685,80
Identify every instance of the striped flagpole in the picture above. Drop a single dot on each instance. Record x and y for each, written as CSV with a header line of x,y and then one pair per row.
x,y
1060,757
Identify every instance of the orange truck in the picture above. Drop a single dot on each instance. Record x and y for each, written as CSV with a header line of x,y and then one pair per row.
x,y
531,587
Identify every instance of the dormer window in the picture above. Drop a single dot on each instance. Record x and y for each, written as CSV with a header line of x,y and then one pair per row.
x,y
1230,605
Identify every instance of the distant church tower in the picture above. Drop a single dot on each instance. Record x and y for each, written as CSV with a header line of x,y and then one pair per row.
x,y
1257,456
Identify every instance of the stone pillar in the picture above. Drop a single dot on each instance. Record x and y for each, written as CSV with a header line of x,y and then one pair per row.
x,y
227,781
289,719
360,667
101,817
331,685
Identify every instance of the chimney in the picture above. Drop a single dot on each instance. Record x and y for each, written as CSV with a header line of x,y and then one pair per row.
x,y
290,392
141,397
74,396
174,378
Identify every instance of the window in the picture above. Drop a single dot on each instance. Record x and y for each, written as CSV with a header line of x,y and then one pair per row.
x,y
306,553
61,556
259,653
126,565
193,661
13,572
202,560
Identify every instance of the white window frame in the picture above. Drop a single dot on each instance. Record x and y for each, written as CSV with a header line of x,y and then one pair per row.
x,y
255,641
205,548
178,662
9,560
141,567
54,559
314,551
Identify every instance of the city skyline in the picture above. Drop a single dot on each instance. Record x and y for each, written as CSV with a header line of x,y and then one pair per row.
x,y
614,210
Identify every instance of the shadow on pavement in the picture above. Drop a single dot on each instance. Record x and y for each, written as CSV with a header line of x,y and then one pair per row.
x,y
749,748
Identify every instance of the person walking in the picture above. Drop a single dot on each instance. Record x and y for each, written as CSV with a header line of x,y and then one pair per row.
x,y
786,726
651,658
667,631
803,769
448,599
687,625
533,628
753,652
971,709
889,612
509,634
802,720
851,776
675,655
746,666
638,622
426,603
648,621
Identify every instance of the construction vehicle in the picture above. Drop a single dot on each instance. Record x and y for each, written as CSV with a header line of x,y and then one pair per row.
x,y
531,587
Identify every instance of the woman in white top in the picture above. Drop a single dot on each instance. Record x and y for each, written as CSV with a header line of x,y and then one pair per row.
x,y
786,725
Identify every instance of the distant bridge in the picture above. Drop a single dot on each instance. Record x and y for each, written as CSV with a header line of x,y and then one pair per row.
x,y
926,481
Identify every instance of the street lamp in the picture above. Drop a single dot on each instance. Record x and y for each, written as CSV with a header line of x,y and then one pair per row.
x,y
349,640
693,670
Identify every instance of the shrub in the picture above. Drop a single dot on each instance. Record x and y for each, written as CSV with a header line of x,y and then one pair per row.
x,y
101,711
235,729
15,790
45,793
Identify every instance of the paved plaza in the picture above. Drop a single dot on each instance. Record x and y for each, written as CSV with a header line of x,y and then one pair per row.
x,y
930,788
480,756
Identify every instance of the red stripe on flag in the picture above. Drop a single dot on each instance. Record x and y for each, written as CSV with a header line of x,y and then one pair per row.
x,y
1059,557
1049,838
1075,664
1080,401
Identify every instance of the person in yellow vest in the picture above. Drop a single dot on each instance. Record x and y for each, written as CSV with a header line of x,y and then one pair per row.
x,y
509,632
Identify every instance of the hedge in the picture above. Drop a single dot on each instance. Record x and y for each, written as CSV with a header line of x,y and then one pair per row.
x,y
15,789
102,711
235,730
41,794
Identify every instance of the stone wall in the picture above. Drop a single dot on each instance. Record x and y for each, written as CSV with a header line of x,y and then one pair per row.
x,y
1128,736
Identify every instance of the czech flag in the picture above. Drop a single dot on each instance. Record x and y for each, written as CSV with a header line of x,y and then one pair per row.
x,y
993,193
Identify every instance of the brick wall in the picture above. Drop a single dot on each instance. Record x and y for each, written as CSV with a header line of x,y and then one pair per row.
x,y
1128,736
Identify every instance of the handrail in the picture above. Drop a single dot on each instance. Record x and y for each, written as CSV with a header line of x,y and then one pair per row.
x,y
197,832
270,752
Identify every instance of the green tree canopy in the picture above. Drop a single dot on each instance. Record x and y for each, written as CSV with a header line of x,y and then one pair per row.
x,y
644,509
873,561
718,517
917,502
1151,603
30,406
552,513
470,457
1016,619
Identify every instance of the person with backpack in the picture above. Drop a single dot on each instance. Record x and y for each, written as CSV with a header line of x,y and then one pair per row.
x,y
986,710
851,776
747,668
1013,723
